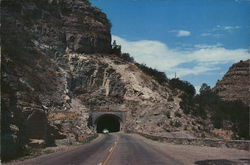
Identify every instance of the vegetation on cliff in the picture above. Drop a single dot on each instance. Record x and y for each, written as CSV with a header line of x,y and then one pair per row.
x,y
228,115
232,115
157,75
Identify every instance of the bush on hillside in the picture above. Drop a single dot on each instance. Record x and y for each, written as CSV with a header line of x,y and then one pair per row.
x,y
127,57
185,86
154,73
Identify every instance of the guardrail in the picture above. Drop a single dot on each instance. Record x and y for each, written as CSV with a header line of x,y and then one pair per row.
x,y
237,144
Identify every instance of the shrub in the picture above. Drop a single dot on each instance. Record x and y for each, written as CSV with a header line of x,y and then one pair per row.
x,y
177,114
175,123
185,86
127,57
170,98
168,114
154,73
187,103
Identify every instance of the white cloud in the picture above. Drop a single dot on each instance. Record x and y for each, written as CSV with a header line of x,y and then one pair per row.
x,y
218,30
195,70
217,35
201,59
225,28
183,33
204,46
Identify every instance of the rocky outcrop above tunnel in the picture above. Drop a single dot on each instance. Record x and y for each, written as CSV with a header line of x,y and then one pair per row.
x,y
104,82
235,83
93,81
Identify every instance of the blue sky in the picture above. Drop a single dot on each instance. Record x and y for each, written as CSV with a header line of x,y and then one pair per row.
x,y
197,39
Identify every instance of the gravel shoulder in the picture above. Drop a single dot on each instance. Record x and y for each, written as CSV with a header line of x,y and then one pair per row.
x,y
201,155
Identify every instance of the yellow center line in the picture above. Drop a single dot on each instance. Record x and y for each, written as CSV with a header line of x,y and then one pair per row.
x,y
110,152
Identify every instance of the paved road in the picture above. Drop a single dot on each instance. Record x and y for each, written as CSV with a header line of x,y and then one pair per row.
x,y
110,149
133,151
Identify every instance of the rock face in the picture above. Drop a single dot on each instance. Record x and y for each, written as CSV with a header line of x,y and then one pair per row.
x,y
57,69
235,83
56,26
36,99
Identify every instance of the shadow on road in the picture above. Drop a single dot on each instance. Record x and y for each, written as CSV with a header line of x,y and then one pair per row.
x,y
222,161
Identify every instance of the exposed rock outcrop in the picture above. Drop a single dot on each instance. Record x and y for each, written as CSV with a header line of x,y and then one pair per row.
x,y
235,84
36,99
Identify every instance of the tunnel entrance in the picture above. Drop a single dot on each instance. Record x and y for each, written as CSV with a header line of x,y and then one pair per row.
x,y
109,122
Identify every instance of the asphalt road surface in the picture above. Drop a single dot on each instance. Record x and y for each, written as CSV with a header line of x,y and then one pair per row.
x,y
109,149
127,149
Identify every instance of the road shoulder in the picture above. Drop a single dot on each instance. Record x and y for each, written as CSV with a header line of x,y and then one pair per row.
x,y
50,151
189,154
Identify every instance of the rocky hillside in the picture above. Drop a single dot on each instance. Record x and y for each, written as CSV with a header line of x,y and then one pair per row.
x,y
37,102
57,68
235,83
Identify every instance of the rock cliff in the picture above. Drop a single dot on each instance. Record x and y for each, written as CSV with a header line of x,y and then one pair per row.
x,y
57,69
36,99
235,83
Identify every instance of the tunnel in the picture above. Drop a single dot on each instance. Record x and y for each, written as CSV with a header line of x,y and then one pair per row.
x,y
109,122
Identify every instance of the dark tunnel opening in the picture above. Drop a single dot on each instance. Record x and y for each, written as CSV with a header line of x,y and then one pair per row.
x,y
109,122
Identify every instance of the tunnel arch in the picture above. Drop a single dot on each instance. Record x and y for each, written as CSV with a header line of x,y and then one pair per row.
x,y
108,121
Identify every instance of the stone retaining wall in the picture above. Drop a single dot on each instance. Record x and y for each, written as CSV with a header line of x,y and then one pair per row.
x,y
237,144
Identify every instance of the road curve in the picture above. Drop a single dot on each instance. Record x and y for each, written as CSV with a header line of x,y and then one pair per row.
x,y
110,149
